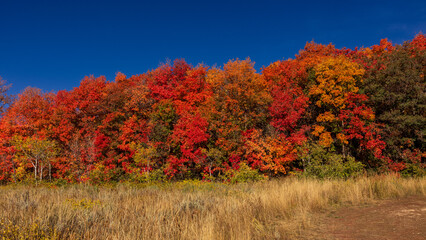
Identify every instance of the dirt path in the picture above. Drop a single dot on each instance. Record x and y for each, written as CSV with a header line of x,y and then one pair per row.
x,y
387,219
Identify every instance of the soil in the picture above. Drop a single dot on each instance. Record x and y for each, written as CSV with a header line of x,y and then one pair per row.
x,y
386,219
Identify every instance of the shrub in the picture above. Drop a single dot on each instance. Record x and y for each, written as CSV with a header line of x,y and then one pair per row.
x,y
413,167
414,170
322,163
243,174
148,177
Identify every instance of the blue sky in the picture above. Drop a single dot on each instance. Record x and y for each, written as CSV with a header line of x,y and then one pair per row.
x,y
52,45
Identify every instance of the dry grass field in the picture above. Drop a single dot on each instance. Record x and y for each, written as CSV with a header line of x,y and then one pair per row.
x,y
274,209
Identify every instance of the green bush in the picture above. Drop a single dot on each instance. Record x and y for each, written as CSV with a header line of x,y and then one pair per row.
x,y
414,170
321,163
243,174
148,177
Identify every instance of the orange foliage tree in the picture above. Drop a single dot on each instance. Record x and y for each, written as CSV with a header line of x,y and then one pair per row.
x,y
342,119
239,103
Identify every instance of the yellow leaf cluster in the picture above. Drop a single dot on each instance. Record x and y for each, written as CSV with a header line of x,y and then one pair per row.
x,y
325,139
336,78
326,117
318,130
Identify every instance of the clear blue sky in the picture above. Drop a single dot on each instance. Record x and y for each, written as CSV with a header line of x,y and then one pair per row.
x,y
52,45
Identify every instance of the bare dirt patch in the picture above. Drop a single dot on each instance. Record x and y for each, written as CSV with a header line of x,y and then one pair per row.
x,y
386,219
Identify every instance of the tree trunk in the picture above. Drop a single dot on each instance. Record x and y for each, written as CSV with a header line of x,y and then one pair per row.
x,y
344,151
35,165
41,172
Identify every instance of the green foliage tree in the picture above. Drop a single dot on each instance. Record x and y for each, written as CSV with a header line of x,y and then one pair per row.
x,y
322,163
397,90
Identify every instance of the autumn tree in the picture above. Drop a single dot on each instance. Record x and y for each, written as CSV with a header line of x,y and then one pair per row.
x,y
7,165
285,80
239,102
397,90
190,132
77,115
177,129
30,113
289,100
342,120
38,152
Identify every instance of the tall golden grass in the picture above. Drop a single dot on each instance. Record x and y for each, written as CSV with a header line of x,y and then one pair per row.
x,y
275,209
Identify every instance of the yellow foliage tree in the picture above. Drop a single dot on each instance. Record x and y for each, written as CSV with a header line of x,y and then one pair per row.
x,y
336,78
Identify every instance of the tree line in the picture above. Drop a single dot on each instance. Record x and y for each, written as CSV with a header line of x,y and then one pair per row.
x,y
327,112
